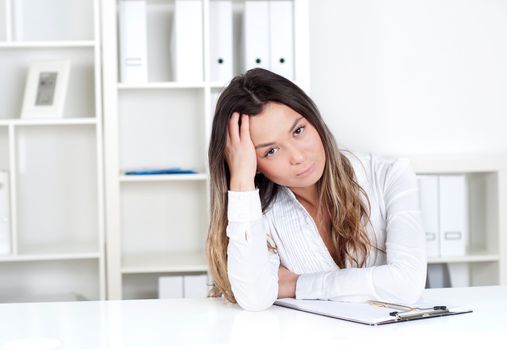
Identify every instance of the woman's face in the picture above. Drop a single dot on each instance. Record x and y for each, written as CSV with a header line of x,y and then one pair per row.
x,y
289,149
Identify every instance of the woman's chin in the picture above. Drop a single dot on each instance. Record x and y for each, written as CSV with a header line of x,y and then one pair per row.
x,y
304,182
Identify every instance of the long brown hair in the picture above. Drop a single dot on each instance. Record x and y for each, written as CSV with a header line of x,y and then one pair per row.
x,y
337,188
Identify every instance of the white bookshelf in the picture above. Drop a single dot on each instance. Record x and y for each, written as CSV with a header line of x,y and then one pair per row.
x,y
486,256
55,166
157,225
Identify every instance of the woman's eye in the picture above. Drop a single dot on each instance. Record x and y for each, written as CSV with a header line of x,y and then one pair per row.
x,y
299,130
271,152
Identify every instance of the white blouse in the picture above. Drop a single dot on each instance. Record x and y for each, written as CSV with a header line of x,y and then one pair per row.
x,y
399,275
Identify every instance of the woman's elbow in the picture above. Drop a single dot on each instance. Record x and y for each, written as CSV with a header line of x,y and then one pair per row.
x,y
413,288
403,284
255,305
256,301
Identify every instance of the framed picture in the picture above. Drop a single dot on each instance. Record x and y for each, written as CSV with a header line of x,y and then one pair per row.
x,y
45,90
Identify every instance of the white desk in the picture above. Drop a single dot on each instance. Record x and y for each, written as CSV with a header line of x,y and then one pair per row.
x,y
153,324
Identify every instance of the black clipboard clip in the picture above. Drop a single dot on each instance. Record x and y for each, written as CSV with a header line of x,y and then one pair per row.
x,y
410,313
420,313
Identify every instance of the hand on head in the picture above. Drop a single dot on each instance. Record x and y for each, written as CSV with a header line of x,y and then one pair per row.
x,y
240,153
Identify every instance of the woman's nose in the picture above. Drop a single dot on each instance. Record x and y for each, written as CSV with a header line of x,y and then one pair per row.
x,y
296,156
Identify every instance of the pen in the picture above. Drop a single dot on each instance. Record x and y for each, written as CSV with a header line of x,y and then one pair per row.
x,y
404,307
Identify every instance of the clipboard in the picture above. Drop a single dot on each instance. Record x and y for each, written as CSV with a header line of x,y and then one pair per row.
x,y
371,312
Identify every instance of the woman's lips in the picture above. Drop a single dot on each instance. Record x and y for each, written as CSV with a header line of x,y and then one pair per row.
x,y
307,170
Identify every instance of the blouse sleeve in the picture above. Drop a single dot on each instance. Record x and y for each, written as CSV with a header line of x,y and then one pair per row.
x,y
403,277
252,269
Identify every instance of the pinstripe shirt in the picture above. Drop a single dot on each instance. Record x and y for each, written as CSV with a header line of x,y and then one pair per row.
x,y
398,275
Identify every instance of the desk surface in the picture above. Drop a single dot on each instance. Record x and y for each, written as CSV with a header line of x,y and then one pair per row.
x,y
136,324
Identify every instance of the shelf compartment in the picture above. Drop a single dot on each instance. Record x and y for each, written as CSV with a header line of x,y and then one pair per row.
x,y
484,212
48,20
238,40
163,218
159,32
161,130
48,280
60,166
80,98
179,262
141,286
464,273
483,215
145,285
484,273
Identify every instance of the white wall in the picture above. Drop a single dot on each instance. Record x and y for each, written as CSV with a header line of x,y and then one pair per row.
x,y
412,76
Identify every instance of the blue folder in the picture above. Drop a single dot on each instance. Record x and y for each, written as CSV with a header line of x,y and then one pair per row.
x,y
160,171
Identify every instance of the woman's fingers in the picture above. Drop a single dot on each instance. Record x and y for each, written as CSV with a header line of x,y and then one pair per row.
x,y
236,132
233,127
245,127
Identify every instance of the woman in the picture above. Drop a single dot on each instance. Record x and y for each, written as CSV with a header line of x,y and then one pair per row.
x,y
293,216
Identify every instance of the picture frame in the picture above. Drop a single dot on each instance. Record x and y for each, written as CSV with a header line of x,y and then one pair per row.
x,y
46,89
